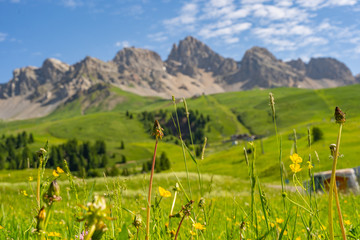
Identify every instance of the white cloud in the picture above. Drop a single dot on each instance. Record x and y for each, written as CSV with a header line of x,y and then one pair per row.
x,y
357,49
279,13
341,2
123,44
284,3
210,31
317,4
71,3
3,36
231,40
311,3
187,16
284,29
158,37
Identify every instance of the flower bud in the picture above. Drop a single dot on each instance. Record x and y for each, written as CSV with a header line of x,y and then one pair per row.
x,y
339,115
201,203
41,153
137,220
157,130
40,225
177,188
53,193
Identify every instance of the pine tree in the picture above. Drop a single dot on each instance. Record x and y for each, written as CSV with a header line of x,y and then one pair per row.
x,y
2,162
104,161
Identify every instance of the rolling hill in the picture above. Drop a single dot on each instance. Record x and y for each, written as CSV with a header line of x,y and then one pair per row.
x,y
88,118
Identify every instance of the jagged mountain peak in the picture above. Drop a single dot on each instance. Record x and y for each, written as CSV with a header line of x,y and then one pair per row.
x,y
192,68
357,78
297,64
328,68
191,54
259,52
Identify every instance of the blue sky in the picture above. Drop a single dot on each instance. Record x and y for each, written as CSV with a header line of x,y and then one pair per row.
x,y
70,30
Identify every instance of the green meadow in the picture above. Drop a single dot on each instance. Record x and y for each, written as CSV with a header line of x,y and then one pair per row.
x,y
225,195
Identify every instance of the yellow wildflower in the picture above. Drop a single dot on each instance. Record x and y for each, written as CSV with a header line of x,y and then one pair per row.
x,y
345,201
322,227
59,170
30,179
347,222
54,234
272,225
285,232
279,220
298,238
310,166
228,219
1,227
198,226
295,158
192,233
295,167
164,193
55,174
24,192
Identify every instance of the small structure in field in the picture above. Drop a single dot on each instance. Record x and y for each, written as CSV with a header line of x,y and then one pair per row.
x,y
346,181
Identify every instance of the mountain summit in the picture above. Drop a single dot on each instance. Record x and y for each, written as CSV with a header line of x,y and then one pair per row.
x,y
191,68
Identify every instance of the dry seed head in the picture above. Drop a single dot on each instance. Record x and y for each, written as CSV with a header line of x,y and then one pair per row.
x,y
203,149
41,152
272,103
339,115
157,130
137,220
177,188
332,149
53,193
186,108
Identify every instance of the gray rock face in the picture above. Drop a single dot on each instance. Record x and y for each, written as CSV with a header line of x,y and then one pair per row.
x,y
298,65
329,68
191,55
191,68
260,68
357,78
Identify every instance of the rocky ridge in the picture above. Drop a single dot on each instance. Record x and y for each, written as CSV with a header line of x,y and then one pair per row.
x,y
191,68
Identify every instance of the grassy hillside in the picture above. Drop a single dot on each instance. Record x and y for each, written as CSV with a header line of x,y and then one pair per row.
x,y
230,113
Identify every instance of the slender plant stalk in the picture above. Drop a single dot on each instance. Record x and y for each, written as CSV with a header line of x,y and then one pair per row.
x,y
38,186
91,232
332,185
341,221
272,106
295,141
157,132
178,229
182,145
193,147
149,195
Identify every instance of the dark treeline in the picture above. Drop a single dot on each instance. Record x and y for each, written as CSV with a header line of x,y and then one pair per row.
x,y
160,164
15,153
197,120
81,157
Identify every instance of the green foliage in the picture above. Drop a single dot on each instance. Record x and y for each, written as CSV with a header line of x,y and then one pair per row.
x,y
317,134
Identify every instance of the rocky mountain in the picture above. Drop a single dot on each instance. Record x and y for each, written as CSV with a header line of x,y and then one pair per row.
x,y
260,68
357,78
191,68
192,55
